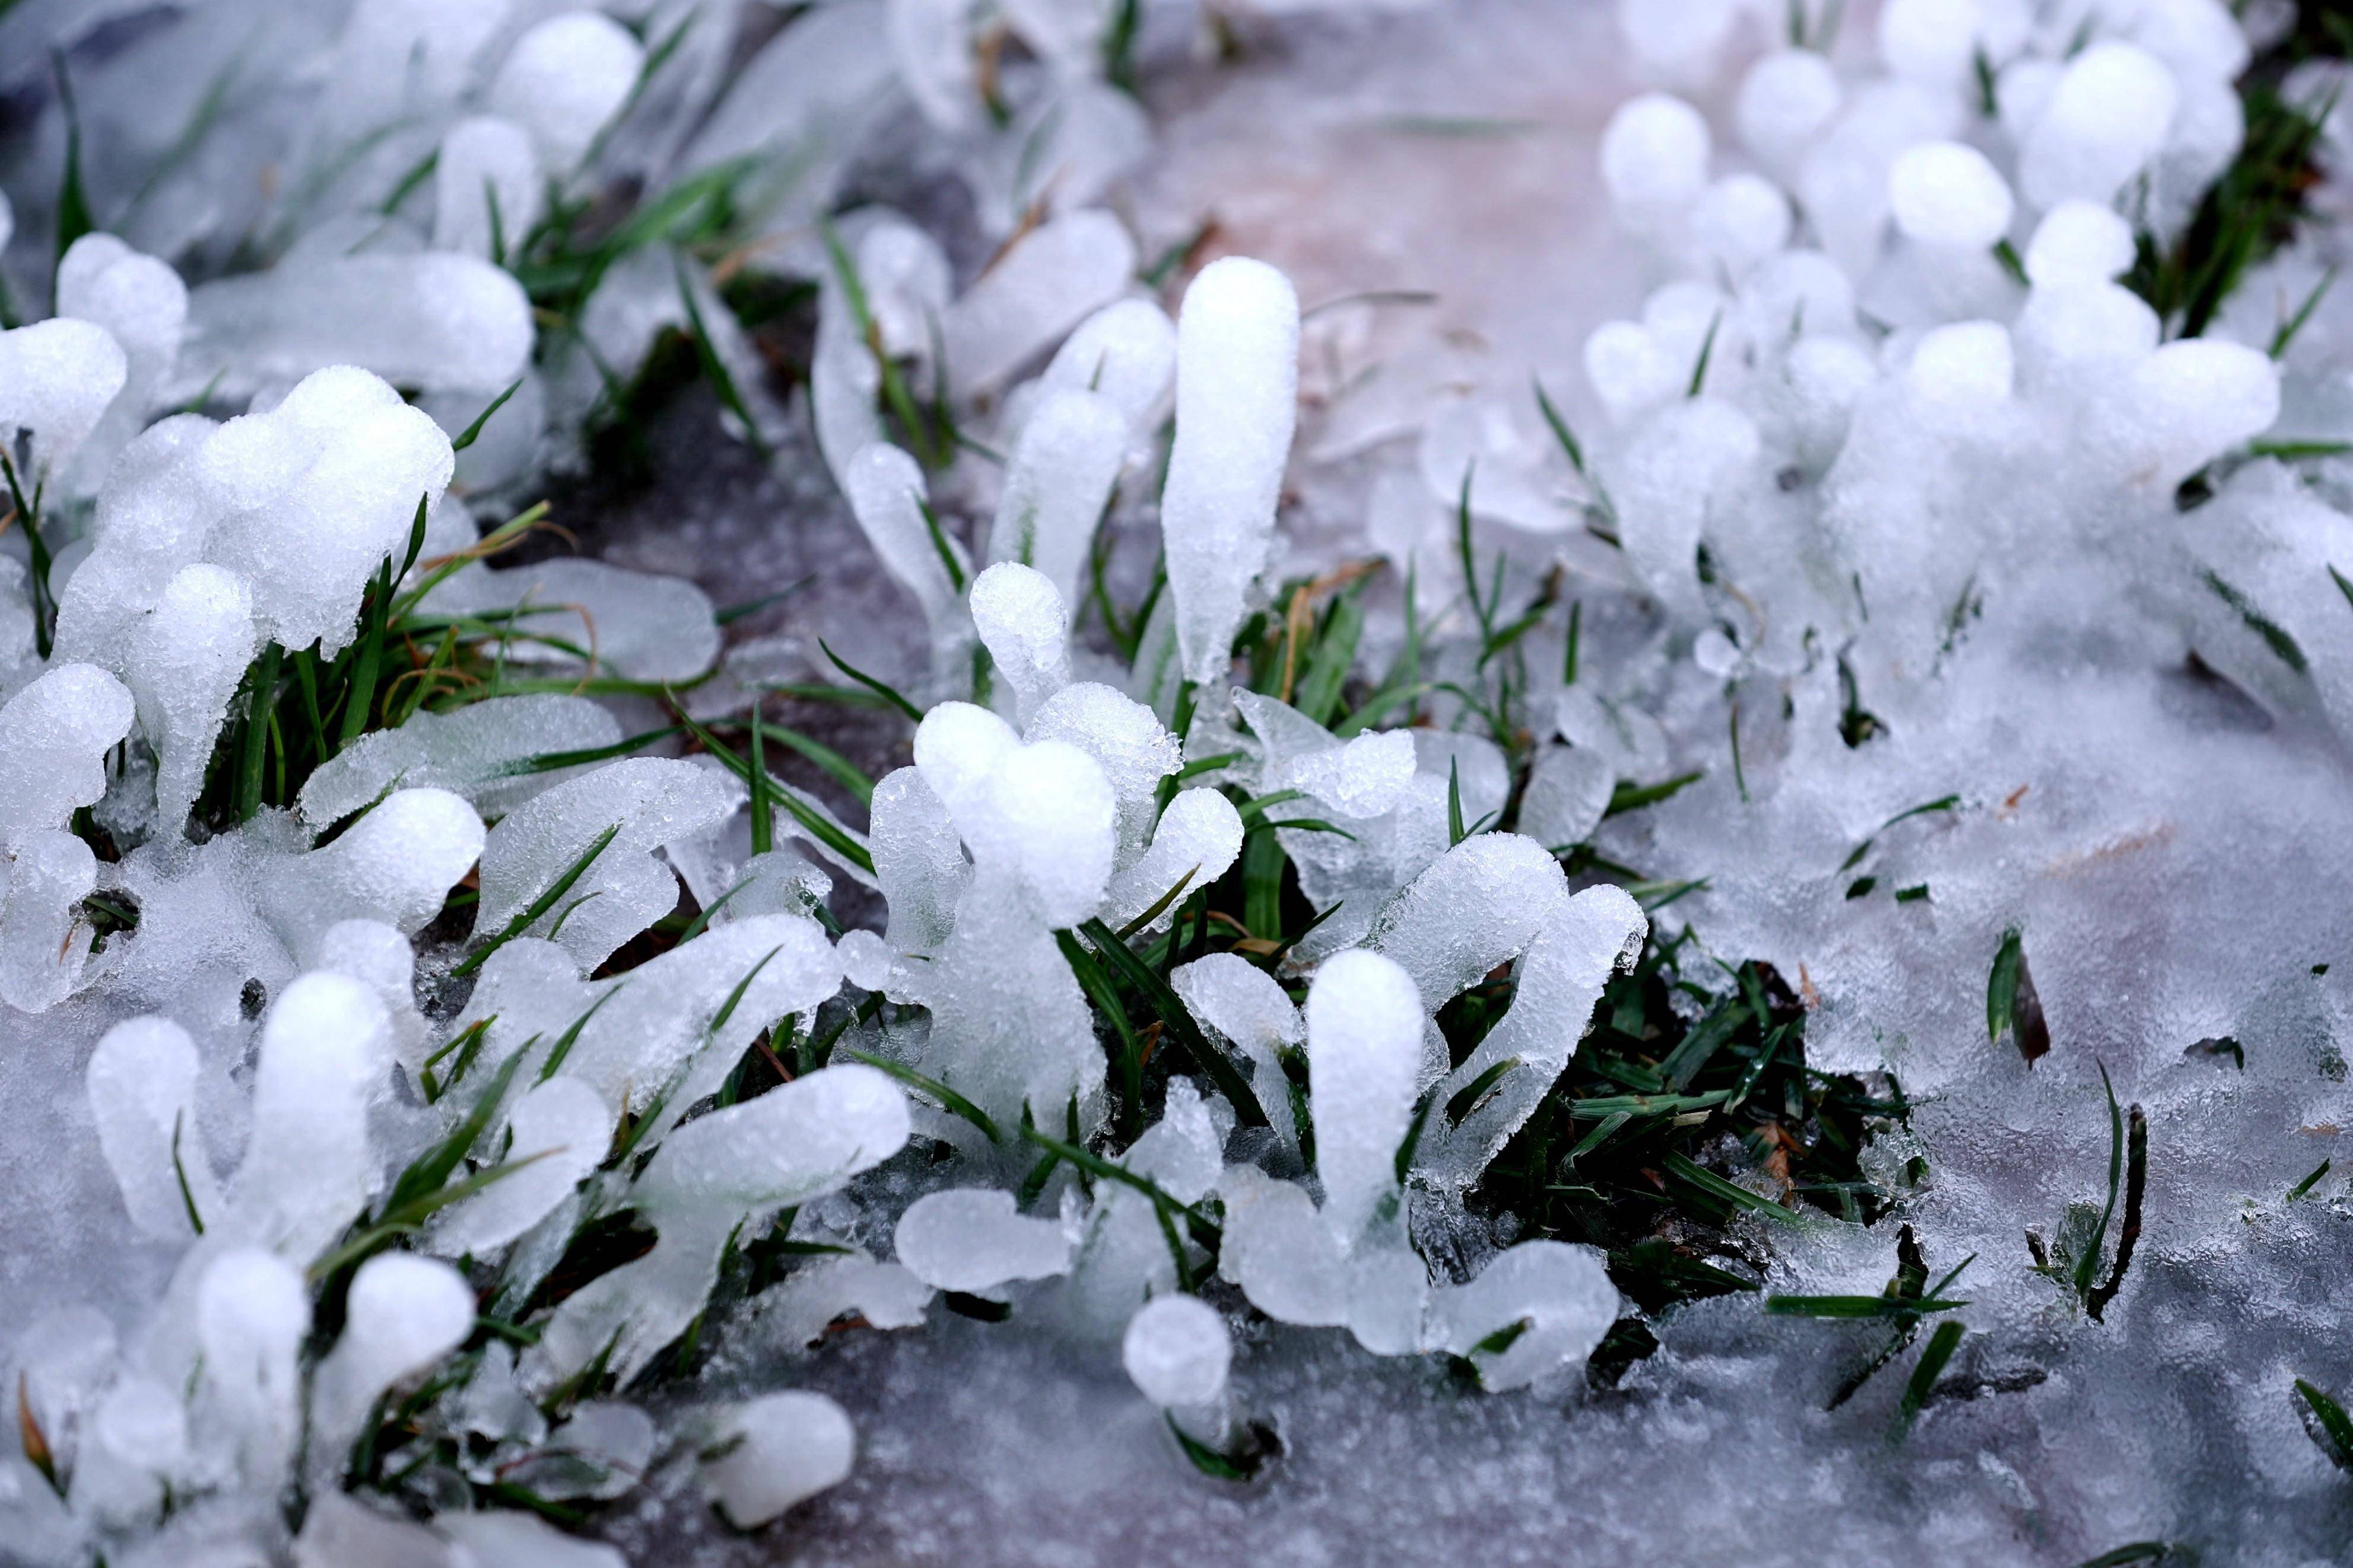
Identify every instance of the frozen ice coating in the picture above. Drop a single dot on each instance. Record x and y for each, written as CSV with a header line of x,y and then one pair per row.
x,y
1544,932
252,1311
1741,220
1654,158
325,1054
143,306
887,493
1022,622
565,79
479,752
1047,816
2105,118
1960,374
636,625
1060,479
53,736
1237,385
487,192
44,940
56,378
562,1128
1125,352
184,662
142,1081
1364,1048
970,1238
312,497
1197,841
2078,243
1558,1296
404,1313
1177,1352
596,836
527,1541
1126,739
918,861
2186,404
1051,280
397,862
770,1453
1949,193
1787,97
787,1147
437,320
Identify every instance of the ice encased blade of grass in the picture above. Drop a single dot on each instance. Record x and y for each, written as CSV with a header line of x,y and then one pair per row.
x,y
437,320
797,1313
654,1043
1041,817
54,737
1237,402
325,1055
768,1454
252,1314
563,81
919,862
143,1085
309,498
1197,841
1492,899
1567,791
900,276
487,187
1233,998
401,1314
397,864
624,889
474,751
44,940
1021,621
638,626
1554,1301
183,663
2105,118
1124,353
558,1133
788,1146
57,379
143,306
1179,1353
887,494
1126,741
1364,1051
1052,279
796,100
973,1238
1063,468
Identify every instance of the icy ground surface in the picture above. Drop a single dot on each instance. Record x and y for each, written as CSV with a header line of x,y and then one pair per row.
x,y
2117,766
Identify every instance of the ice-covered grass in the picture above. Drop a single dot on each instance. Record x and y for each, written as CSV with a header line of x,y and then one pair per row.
x,y
1468,898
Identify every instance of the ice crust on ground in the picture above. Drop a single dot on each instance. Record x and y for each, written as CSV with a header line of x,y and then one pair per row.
x,y
1916,595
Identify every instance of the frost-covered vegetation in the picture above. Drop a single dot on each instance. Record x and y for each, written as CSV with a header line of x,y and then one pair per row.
x,y
1776,881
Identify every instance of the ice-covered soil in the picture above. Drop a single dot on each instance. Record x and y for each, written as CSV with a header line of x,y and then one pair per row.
x,y
1913,604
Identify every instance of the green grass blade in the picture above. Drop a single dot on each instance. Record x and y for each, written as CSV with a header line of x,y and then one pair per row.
x,y
540,906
